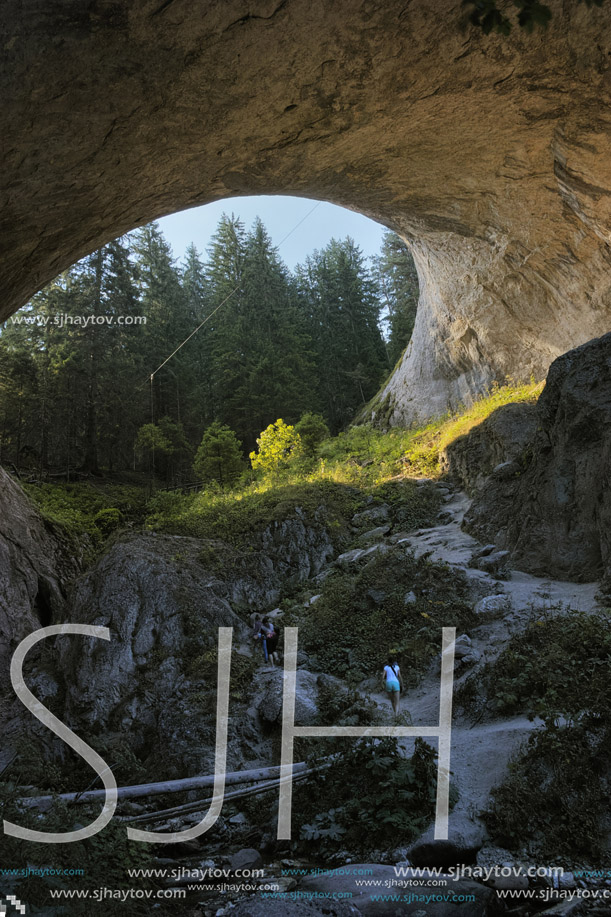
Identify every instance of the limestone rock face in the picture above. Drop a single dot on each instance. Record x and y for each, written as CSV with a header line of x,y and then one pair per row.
x,y
554,512
151,593
500,439
490,155
34,566
163,599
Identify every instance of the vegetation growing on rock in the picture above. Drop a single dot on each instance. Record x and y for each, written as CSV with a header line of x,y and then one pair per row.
x,y
554,799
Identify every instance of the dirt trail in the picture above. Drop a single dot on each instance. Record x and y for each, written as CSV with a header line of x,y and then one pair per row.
x,y
481,751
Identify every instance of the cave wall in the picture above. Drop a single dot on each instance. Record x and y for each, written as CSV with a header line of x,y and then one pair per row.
x,y
489,155
36,564
549,503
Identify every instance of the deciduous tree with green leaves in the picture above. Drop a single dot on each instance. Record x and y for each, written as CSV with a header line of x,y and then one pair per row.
x,y
278,445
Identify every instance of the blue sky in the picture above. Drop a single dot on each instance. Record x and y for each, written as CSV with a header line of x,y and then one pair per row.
x,y
280,216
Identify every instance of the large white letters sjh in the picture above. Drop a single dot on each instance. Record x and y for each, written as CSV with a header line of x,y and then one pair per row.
x,y
442,731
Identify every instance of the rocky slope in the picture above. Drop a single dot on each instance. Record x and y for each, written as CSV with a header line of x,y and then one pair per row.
x,y
36,564
164,598
152,688
547,501
143,574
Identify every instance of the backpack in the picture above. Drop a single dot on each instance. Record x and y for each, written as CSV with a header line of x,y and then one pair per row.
x,y
275,635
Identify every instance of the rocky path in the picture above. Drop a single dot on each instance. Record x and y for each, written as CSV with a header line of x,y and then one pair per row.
x,y
481,751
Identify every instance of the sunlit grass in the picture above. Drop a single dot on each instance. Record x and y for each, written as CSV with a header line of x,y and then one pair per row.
x,y
362,458
416,452
348,468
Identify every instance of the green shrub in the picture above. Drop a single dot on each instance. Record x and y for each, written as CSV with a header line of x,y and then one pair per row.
x,y
555,799
75,506
279,444
312,430
167,505
107,520
350,631
558,667
371,797
557,793
104,858
343,706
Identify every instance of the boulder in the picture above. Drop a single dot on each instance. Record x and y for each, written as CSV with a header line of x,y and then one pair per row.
x,y
498,440
462,646
492,607
555,515
370,516
468,659
239,819
483,552
375,534
359,555
247,858
465,839
518,881
495,563
269,702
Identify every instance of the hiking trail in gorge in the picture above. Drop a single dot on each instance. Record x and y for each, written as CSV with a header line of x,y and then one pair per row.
x,y
481,751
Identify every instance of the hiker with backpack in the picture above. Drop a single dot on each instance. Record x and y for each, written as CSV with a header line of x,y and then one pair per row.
x,y
393,681
260,632
273,636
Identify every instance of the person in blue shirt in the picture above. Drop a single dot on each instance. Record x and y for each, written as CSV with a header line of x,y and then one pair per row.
x,y
393,681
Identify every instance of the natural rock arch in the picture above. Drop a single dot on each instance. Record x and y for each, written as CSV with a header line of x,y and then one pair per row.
x,y
491,155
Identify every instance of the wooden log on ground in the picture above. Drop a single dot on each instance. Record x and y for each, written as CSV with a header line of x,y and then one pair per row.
x,y
189,807
158,789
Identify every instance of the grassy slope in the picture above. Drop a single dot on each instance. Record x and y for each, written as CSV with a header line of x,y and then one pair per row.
x,y
350,466
357,463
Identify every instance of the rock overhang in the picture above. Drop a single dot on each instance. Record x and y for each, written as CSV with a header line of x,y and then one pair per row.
x,y
488,154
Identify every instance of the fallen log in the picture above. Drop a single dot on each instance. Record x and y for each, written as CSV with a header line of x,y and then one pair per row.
x,y
158,789
189,807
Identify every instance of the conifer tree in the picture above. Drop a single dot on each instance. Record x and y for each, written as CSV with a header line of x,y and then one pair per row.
x,y
168,322
398,284
219,456
340,297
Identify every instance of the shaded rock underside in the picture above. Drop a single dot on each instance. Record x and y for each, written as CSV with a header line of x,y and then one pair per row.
x,y
489,155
